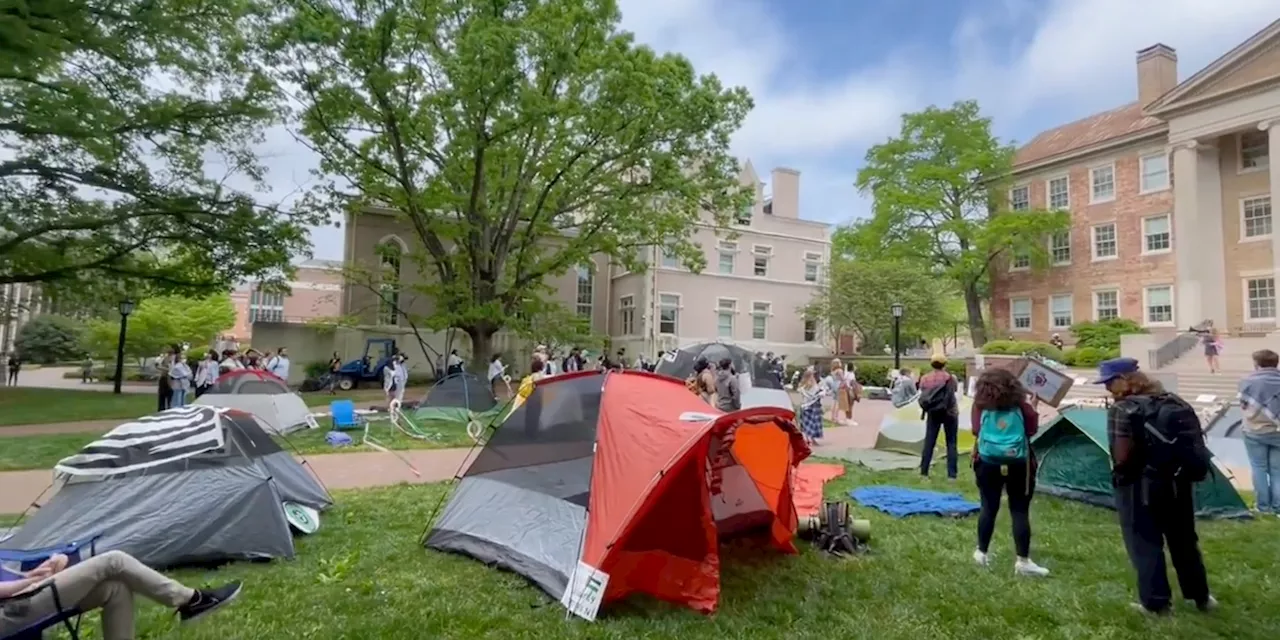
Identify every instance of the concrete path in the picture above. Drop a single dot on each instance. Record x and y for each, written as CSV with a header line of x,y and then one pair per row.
x,y
83,426
52,378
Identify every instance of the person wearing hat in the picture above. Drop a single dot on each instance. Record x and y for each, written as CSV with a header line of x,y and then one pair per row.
x,y
1157,454
941,413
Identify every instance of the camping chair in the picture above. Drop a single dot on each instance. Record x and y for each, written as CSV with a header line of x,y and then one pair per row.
x,y
29,559
345,418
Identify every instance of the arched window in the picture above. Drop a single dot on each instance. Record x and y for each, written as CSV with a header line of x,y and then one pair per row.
x,y
390,258
586,290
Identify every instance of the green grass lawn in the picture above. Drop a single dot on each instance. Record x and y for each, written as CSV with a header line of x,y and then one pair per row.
x,y
44,451
364,575
27,405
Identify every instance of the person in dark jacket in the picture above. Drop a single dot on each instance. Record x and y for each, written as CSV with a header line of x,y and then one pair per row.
x,y
944,418
1154,510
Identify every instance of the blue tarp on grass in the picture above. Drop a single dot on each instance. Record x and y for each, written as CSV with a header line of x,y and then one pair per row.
x,y
900,502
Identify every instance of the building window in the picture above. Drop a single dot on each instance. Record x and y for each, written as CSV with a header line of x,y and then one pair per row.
x,y
1103,184
728,252
266,307
1104,241
1020,314
1158,302
726,309
670,260
1255,217
1020,198
1060,248
1253,150
760,260
1060,193
1106,304
1021,261
627,311
389,290
1157,234
760,320
1155,172
668,313
1260,294
812,266
586,291
810,330
1060,311
743,216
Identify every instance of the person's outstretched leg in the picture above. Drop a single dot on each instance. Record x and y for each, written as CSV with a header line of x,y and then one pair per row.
x,y
931,426
990,486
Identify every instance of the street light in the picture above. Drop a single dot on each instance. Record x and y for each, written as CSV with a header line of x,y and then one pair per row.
x,y
126,308
896,309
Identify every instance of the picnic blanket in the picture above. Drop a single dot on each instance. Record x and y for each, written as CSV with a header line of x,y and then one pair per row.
x,y
810,478
900,502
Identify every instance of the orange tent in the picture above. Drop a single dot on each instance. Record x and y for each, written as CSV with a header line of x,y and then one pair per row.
x,y
606,484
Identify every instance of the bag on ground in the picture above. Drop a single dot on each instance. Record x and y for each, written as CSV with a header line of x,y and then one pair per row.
x,y
1002,436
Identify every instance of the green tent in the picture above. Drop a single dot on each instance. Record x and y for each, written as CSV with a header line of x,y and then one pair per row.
x,y
1075,463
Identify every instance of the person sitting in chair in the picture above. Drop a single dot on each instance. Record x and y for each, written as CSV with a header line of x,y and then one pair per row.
x,y
107,582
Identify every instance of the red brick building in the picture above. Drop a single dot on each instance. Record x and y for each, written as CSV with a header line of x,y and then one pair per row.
x,y
315,292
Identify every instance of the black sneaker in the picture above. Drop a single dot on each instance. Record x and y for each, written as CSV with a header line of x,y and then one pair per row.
x,y
208,600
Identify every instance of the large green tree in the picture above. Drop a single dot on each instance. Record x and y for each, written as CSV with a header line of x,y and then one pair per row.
x,y
857,297
940,199
120,123
159,322
515,138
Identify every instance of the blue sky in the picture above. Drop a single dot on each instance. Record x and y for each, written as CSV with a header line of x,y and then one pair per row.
x,y
832,77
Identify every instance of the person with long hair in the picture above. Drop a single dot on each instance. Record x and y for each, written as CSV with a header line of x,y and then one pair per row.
x,y
1212,348
206,373
811,406
1003,422
842,383
1158,453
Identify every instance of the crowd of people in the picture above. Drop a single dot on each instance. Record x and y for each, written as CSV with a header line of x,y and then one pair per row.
x,y
180,379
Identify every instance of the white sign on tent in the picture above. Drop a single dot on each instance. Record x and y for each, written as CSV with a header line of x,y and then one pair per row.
x,y
585,591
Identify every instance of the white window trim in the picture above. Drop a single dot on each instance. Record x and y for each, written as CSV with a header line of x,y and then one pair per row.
x,y
1114,184
662,260
817,330
1031,313
679,307
1093,298
1244,298
1048,191
757,314
1143,227
767,255
811,258
1240,168
733,316
1013,256
1093,241
1070,251
1069,296
1267,237
1168,170
1016,187
1146,305
626,303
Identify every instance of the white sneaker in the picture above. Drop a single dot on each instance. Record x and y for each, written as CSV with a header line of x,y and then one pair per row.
x,y
980,558
1025,567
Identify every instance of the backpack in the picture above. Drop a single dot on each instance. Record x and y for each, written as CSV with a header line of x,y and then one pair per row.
x,y
831,530
1002,437
936,398
1173,439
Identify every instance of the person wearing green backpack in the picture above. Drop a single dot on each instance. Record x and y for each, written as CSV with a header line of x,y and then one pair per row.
x,y
1003,422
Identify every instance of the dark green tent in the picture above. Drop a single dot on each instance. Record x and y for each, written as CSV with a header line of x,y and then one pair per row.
x,y
1075,463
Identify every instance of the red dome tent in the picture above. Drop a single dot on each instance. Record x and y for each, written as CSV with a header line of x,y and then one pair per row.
x,y
629,478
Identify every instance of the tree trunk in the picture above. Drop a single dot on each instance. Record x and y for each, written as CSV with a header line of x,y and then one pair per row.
x,y
481,345
973,304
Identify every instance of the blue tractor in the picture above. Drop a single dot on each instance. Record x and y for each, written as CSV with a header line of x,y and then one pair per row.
x,y
377,352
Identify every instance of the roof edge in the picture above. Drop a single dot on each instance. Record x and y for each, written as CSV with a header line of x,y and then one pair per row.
x,y
1164,102
1105,145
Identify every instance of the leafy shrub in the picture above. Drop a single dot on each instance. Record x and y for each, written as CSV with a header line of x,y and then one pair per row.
x,y
1019,347
316,369
1104,334
1091,356
49,338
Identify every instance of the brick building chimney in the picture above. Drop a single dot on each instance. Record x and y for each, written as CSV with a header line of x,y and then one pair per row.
x,y
1157,72
785,185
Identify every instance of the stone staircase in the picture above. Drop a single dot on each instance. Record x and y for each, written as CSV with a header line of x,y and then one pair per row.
x,y
1192,373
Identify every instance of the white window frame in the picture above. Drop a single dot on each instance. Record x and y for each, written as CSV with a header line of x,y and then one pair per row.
x,y
813,259
726,249
1053,318
1143,189
1015,256
1013,315
1146,307
1026,201
1264,162
1094,300
1271,216
761,313
668,260
761,251
1048,193
663,306
1093,197
1093,241
817,330
266,307
627,314
1146,249
584,309
1052,259
731,310
1244,283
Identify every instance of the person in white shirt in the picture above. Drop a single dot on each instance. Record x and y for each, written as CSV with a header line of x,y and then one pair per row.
x,y
229,361
389,379
207,373
278,364
455,363
496,371
401,376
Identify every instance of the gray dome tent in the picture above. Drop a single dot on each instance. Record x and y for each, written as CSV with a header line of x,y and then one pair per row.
x,y
185,486
744,361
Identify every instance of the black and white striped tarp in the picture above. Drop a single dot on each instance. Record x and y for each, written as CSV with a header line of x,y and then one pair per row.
x,y
153,440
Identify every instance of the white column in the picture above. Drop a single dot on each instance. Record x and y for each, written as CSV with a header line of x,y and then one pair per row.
x,y
1272,127
1186,227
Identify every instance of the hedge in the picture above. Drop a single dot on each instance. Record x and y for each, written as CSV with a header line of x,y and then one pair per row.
x,y
875,372
1088,356
1020,347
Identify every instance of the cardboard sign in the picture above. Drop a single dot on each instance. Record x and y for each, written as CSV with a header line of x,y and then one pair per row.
x,y
585,591
1045,382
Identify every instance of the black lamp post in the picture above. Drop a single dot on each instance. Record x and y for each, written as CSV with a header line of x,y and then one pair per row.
x,y
126,308
897,308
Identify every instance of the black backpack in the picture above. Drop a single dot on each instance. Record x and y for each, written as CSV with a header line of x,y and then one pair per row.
x,y
936,398
1173,439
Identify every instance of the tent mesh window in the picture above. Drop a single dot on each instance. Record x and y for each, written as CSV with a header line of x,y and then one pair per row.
x,y
744,361
461,390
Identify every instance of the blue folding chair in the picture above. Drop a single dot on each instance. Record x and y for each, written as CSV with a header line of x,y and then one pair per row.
x,y
345,418
21,560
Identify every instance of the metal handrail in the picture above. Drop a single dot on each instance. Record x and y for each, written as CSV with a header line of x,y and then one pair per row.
x,y
1177,347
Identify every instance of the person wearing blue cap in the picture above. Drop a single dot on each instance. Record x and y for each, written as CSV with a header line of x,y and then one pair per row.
x,y
1158,453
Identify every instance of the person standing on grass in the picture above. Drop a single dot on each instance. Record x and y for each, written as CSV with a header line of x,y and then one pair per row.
x,y
389,378
206,373
1003,463
164,387
941,412
402,375
811,406
1158,453
179,381
335,365
1260,402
